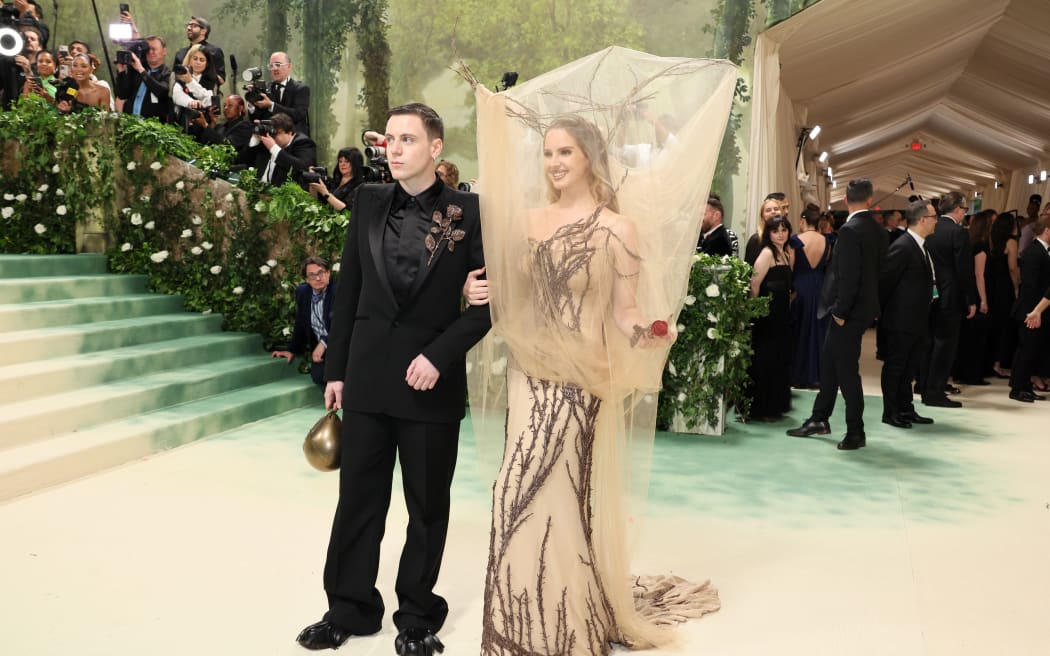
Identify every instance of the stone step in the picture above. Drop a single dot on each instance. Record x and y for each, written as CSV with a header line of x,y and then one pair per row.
x,y
26,316
46,416
71,455
29,266
61,341
52,288
33,379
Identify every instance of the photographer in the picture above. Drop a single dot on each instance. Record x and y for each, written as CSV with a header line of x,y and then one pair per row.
x,y
195,88
236,131
286,96
30,14
146,91
349,163
276,151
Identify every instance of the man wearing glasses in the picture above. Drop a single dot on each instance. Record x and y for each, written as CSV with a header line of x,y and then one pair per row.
x,y
286,96
197,31
313,317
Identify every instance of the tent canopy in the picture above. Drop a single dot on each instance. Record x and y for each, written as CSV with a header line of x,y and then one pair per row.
x,y
967,79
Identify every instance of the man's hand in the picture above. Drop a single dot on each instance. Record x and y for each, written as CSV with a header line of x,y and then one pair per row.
x,y
136,64
1033,320
841,322
22,62
267,141
476,291
971,312
318,354
287,355
333,395
421,375
264,102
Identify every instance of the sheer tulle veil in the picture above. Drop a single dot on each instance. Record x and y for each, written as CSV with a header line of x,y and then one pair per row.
x,y
663,120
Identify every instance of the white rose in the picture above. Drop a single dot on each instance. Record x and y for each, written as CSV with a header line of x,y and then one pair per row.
x,y
690,299
712,318
335,267
21,198
219,214
206,245
196,250
671,369
144,198
238,290
260,207
59,192
271,263
734,352
156,166
264,269
60,210
712,333
499,366
712,291
131,166
196,220
136,219
37,196
228,197
286,331
149,226
40,228
180,185
7,212
696,258
186,234
681,397
680,328
42,188
159,256
125,247
126,211
9,197
216,270
54,169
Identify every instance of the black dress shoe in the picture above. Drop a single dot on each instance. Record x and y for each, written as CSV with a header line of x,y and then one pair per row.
x,y
853,442
951,389
811,427
417,642
1022,396
323,635
915,418
943,402
897,421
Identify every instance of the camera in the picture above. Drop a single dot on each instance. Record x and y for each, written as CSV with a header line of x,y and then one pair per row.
x,y
138,46
179,69
463,186
255,88
377,169
264,128
319,174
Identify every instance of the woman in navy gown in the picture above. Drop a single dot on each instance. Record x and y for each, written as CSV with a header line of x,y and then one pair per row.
x,y
812,250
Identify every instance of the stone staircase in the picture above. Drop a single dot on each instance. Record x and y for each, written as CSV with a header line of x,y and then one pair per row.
x,y
95,372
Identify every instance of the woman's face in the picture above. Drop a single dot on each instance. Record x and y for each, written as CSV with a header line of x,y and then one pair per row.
x,y
779,235
770,208
81,70
45,64
564,160
345,169
198,62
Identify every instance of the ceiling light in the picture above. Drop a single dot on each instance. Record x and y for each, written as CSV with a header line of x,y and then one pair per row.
x,y
814,132
824,157
1042,175
1031,179
834,185
829,173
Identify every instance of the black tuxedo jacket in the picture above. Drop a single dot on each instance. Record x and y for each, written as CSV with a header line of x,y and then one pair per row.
x,y
237,134
303,336
374,338
851,288
717,243
949,248
157,102
905,288
300,154
296,103
1035,279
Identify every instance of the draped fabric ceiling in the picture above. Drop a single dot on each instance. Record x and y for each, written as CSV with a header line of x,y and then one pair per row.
x,y
968,79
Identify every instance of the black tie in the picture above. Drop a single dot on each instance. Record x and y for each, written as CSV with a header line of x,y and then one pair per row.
x,y
280,91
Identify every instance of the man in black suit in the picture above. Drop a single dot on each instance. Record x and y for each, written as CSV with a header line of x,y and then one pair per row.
x,y
236,131
851,297
949,248
1030,310
313,317
198,31
715,238
281,155
286,96
146,92
397,367
905,294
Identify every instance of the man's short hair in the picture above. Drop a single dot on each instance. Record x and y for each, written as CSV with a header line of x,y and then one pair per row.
x,y
282,122
1035,198
950,202
432,123
811,217
715,201
87,46
316,261
859,190
776,195
205,25
916,210
155,37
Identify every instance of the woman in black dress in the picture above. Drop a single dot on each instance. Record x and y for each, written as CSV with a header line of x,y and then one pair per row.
x,y
969,359
770,370
346,177
1002,277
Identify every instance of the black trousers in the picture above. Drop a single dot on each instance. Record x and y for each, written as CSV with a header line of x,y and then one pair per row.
x,y
901,353
840,370
427,453
1027,357
945,324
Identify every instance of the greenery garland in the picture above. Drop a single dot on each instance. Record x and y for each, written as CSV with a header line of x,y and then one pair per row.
x,y
708,363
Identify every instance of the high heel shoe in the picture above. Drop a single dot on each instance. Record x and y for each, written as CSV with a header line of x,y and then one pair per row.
x,y
998,373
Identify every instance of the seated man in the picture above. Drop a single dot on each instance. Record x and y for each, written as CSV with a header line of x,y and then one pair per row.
x,y
313,317
281,155
236,131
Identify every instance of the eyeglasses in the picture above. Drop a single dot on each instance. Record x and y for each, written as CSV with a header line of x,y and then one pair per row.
x,y
316,276
193,24
964,208
277,65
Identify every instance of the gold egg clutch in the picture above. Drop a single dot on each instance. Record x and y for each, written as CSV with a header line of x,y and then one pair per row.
x,y
323,444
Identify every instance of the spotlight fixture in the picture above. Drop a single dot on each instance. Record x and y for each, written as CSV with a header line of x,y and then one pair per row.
x,y
1042,175
830,174
803,135
824,157
814,132
1031,179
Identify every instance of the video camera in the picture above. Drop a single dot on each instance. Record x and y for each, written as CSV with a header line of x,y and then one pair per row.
x,y
318,174
378,168
208,104
255,88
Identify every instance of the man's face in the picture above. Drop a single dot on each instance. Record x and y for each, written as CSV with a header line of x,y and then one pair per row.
x,y
928,223
77,49
193,31
283,138
232,109
712,218
280,67
316,277
157,54
32,41
893,219
784,206
408,149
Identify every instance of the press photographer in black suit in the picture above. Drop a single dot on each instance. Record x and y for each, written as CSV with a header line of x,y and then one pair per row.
x,y
281,155
1030,310
905,294
286,96
236,131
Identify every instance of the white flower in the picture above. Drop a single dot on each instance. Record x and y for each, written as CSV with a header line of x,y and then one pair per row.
x,y
37,196
696,258
159,256
126,211
149,226
260,207
206,245
40,228
228,197
264,269
7,212
712,333
180,185
196,250
712,291
219,214
21,198
215,270
136,219
42,188
9,197
681,397
156,166
144,198
54,169
286,331
238,290
671,369
284,284
711,317
690,299
680,328
125,247
734,352
208,311
271,263
196,220
131,166
60,210
186,234
335,267
59,192
499,366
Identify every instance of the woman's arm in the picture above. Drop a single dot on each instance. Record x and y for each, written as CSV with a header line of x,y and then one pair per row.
x,y
627,266
1011,263
762,264
979,261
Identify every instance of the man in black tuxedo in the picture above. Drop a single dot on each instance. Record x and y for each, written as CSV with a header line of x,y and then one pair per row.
x,y
905,294
281,155
397,367
949,248
851,297
1030,310
715,238
286,96
313,317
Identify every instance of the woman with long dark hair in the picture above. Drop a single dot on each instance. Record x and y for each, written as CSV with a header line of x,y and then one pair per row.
x,y
346,176
771,335
1002,277
969,358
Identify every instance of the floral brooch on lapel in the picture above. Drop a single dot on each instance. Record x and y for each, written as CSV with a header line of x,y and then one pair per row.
x,y
443,230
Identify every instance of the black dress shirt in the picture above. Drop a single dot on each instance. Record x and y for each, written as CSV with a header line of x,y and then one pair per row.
x,y
407,226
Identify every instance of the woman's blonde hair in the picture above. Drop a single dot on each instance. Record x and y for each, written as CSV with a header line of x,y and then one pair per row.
x,y
590,140
196,47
